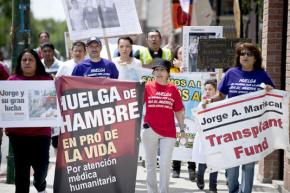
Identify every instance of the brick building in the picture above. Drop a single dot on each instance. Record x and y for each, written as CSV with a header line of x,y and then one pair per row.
x,y
276,58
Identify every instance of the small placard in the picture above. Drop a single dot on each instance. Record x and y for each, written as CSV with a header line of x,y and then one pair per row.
x,y
217,53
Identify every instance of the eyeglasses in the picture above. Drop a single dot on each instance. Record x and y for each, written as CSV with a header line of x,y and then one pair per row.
x,y
250,54
153,37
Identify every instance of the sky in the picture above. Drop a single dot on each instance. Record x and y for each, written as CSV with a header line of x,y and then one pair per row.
x,y
46,9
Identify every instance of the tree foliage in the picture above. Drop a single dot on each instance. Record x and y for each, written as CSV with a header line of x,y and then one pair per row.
x,y
54,28
5,22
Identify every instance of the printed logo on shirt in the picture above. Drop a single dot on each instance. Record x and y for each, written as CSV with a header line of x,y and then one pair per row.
x,y
161,100
244,86
98,70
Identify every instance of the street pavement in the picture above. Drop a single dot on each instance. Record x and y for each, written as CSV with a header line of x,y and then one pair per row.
x,y
177,185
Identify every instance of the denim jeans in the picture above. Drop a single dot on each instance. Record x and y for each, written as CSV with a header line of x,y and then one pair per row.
x,y
150,141
247,178
212,176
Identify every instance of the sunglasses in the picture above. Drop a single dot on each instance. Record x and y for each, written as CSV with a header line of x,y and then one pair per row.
x,y
246,54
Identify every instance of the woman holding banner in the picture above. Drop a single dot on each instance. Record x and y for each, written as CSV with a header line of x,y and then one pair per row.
x,y
248,71
30,145
161,98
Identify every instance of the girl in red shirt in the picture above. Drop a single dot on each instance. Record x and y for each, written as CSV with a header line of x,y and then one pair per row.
x,y
163,101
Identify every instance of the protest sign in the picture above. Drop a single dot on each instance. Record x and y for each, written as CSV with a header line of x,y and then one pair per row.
x,y
191,36
28,104
217,53
190,86
101,18
244,129
98,148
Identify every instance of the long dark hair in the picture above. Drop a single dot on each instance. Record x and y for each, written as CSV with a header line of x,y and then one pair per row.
x,y
40,70
252,48
175,53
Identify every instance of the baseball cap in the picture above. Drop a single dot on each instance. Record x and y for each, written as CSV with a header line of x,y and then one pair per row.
x,y
158,62
94,39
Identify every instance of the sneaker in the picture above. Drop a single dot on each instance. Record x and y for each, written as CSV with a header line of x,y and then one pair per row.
x,y
175,174
200,182
157,163
191,175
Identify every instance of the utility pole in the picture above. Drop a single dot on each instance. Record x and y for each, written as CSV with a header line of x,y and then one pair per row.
x,y
241,20
20,35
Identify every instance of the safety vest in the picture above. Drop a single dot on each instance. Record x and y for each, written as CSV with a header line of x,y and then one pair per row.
x,y
146,57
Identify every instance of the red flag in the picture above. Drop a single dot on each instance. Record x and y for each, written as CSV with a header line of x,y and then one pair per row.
x,y
181,13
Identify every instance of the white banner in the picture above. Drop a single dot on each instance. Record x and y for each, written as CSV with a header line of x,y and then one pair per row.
x,y
244,129
101,18
28,104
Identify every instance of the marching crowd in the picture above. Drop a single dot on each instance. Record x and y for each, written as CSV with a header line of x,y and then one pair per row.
x,y
31,145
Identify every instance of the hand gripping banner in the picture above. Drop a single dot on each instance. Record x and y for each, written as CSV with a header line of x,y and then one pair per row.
x,y
245,128
98,148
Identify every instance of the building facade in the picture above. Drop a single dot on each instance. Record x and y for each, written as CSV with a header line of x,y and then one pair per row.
x,y
276,58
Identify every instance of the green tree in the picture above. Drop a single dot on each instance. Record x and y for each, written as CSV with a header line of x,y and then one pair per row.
x,y
54,28
5,23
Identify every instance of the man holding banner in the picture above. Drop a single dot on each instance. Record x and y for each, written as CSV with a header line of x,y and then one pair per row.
x,y
96,66
247,76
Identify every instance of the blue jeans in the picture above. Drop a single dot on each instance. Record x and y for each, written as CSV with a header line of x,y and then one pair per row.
x,y
212,176
247,178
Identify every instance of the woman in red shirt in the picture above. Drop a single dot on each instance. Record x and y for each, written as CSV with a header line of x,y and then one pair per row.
x,y
30,145
162,102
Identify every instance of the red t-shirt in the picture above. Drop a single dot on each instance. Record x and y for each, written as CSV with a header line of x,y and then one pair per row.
x,y
161,103
3,73
27,131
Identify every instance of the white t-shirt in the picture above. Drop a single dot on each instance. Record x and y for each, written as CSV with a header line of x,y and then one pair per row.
x,y
54,67
66,69
198,144
128,71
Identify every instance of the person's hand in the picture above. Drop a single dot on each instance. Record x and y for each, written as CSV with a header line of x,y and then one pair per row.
x,y
182,128
177,63
267,87
204,102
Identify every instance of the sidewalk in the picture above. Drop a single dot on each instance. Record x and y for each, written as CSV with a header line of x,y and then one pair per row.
x,y
177,185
